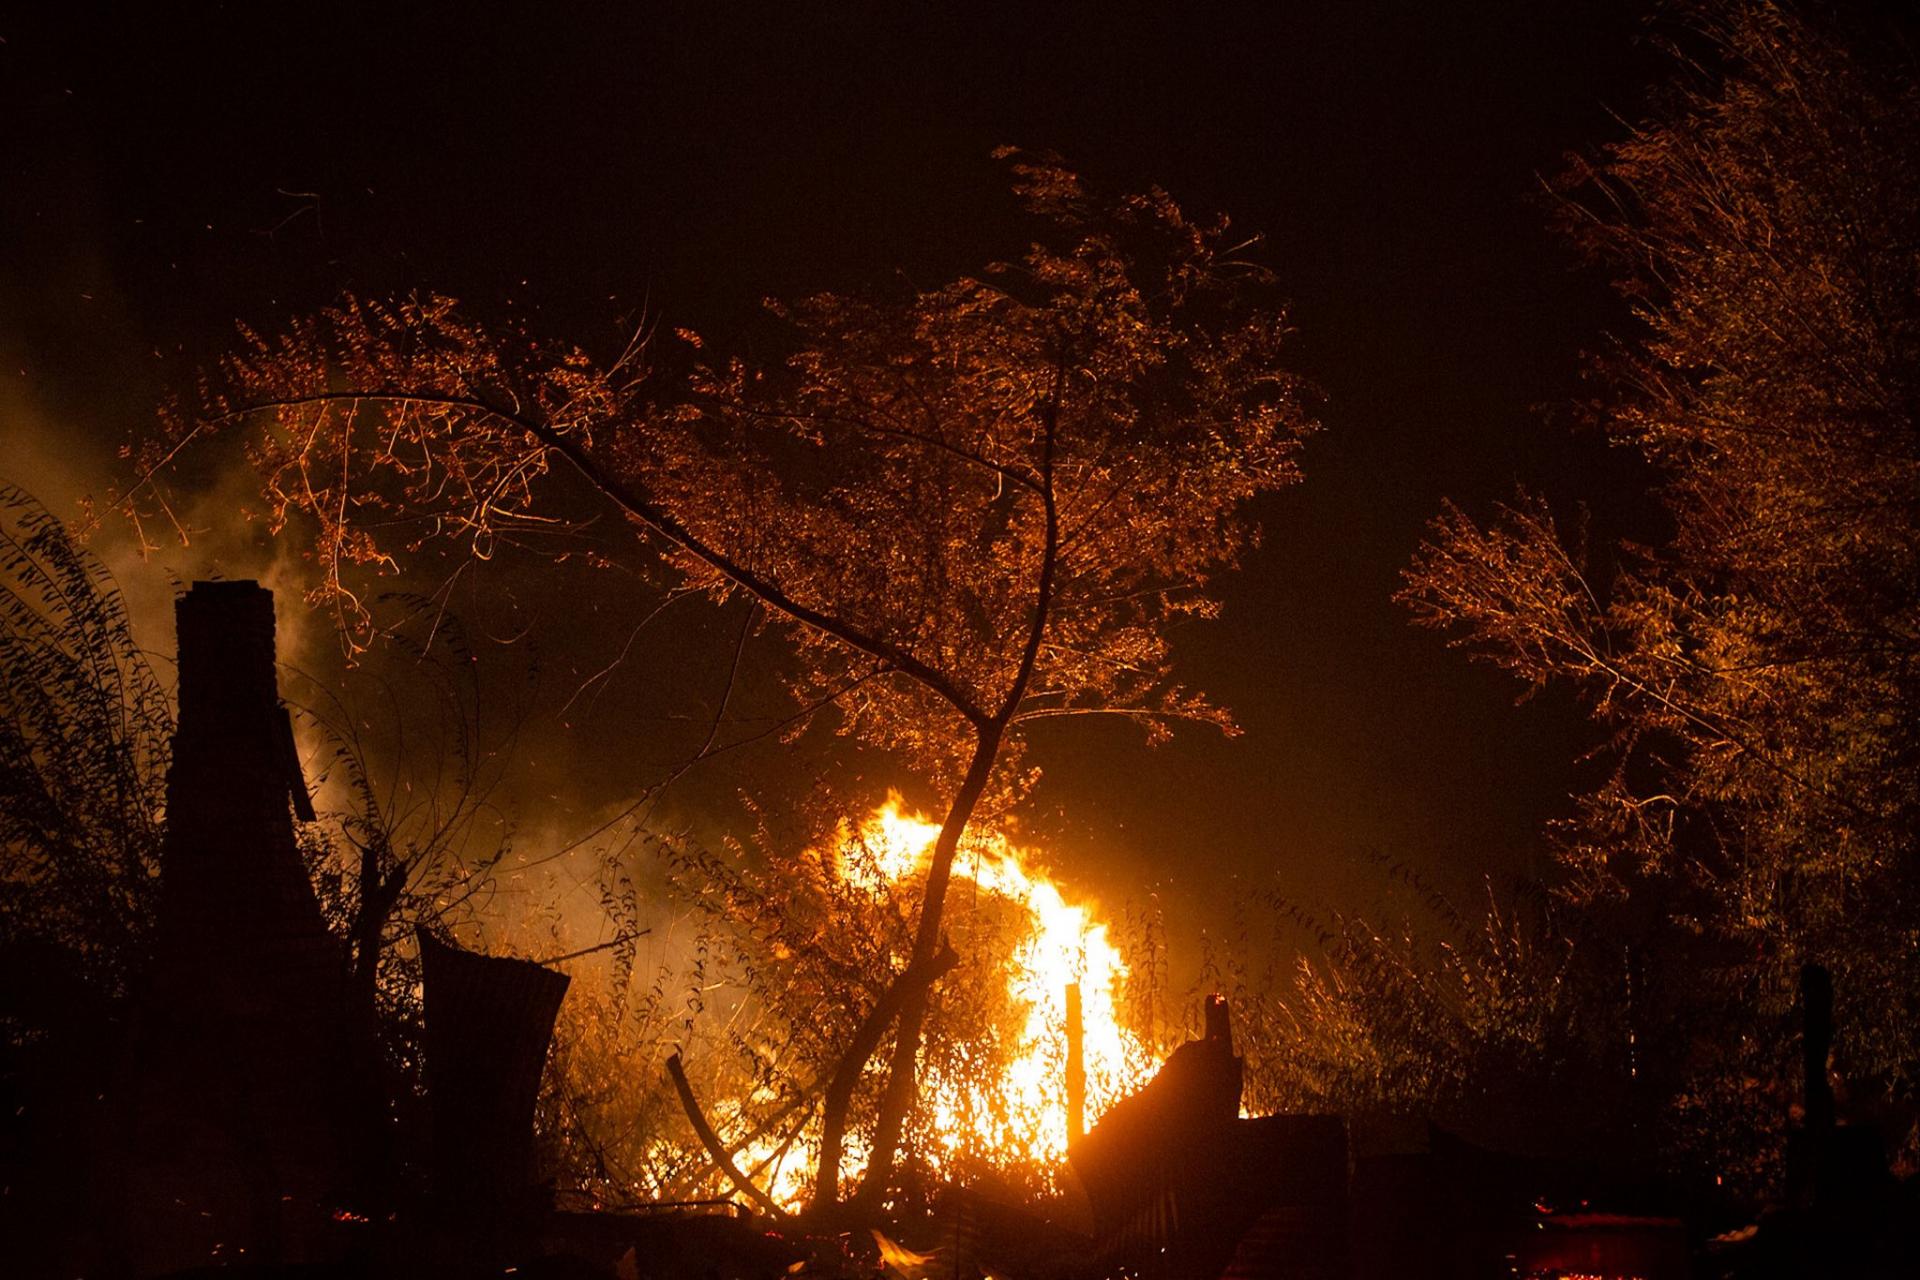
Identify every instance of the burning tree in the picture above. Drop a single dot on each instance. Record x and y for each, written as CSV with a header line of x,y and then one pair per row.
x,y
966,508
1755,670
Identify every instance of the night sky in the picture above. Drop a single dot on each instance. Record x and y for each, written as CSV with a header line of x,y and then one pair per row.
x,y
168,169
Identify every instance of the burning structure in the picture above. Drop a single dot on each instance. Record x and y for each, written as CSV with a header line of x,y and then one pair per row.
x,y
243,1126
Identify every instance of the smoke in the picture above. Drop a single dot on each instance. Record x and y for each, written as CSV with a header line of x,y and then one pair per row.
x,y
64,465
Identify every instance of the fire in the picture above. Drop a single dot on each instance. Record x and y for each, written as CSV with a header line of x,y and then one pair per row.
x,y
1020,1116
1012,1116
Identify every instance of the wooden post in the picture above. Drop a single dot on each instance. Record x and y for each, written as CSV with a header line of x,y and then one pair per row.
x,y
1076,1067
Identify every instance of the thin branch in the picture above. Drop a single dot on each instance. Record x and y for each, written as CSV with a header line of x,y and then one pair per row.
x,y
597,948
716,1150
654,517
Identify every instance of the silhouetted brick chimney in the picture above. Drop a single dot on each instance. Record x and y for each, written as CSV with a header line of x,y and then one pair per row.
x,y
236,1078
232,883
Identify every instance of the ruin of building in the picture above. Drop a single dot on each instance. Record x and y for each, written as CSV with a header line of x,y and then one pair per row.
x,y
233,1087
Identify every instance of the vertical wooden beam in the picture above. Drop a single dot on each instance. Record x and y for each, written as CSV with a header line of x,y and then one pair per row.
x,y
1076,1067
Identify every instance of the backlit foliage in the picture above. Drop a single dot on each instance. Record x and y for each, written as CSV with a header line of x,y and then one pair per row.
x,y
1497,1025
86,730
1756,669
893,489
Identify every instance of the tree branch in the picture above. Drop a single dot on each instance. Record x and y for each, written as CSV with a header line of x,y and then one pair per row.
x,y
914,979
717,1150
1050,553
664,524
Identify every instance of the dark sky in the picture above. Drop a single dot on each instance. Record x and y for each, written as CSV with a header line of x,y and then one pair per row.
x,y
170,168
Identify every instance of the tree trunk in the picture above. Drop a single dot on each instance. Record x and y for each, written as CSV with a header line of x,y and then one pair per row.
x,y
902,1083
913,980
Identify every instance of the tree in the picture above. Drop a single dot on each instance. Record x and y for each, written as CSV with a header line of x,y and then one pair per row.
x,y
86,730
966,509
409,837
1756,668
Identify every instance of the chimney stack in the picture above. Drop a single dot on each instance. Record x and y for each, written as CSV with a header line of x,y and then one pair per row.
x,y
235,1080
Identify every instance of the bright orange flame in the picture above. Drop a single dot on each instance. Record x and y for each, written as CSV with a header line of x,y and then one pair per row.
x,y
1017,1118
1020,1117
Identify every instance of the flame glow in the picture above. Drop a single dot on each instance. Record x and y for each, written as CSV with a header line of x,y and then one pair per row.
x,y
1019,1117
1004,1108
